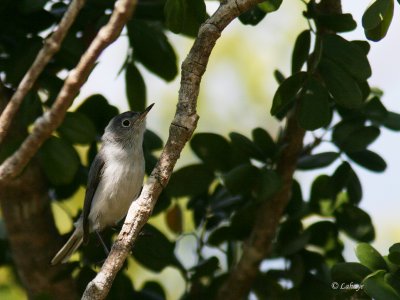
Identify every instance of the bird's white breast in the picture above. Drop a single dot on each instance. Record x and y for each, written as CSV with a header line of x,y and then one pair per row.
x,y
120,184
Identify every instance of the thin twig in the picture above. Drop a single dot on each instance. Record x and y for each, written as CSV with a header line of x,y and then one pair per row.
x,y
181,129
51,47
46,124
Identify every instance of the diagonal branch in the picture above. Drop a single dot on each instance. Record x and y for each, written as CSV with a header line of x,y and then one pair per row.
x,y
181,129
260,242
51,47
46,124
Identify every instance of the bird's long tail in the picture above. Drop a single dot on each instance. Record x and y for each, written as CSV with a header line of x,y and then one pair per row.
x,y
69,248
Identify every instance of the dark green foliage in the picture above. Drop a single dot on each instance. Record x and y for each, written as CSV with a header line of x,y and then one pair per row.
x,y
314,111
185,16
377,18
135,88
301,51
337,22
55,155
347,55
154,250
77,128
341,85
98,109
355,222
285,95
197,178
317,161
369,160
152,48
253,16
213,149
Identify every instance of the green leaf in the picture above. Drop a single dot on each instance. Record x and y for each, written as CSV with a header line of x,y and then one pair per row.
x,y
152,49
369,160
301,50
394,281
351,137
347,55
376,287
147,250
28,7
320,160
174,11
341,85
220,235
355,222
377,18
270,183
190,180
151,141
392,121
375,110
337,22
77,128
323,234
279,77
19,61
264,142
286,93
213,149
291,238
59,160
314,109
97,109
31,108
363,45
361,139
349,272
340,177
252,16
394,254
370,257
185,16
205,268
354,188
270,5
321,200
245,145
135,88
241,178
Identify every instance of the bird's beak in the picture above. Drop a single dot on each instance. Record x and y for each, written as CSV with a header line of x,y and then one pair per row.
x,y
145,112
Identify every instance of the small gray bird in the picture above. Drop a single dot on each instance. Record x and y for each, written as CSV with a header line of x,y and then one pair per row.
x,y
115,179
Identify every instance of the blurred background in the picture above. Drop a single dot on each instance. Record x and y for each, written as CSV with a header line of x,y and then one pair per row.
x,y
236,95
237,90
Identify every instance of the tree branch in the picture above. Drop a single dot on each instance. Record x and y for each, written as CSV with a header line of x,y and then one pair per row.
x,y
260,242
181,129
50,120
51,47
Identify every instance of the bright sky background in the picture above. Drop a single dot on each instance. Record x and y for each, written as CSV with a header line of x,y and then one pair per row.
x,y
238,87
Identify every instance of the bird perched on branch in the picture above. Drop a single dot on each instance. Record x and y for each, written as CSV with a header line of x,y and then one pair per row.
x,y
115,180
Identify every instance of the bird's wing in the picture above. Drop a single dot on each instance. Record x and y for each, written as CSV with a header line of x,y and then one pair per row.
x,y
95,173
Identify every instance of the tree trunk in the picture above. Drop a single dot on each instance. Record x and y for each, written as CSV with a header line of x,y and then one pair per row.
x,y
32,233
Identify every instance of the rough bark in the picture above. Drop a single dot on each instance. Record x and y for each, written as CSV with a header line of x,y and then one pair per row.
x,y
260,242
181,129
31,230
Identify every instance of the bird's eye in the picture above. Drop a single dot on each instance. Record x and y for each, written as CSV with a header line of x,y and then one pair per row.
x,y
126,123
